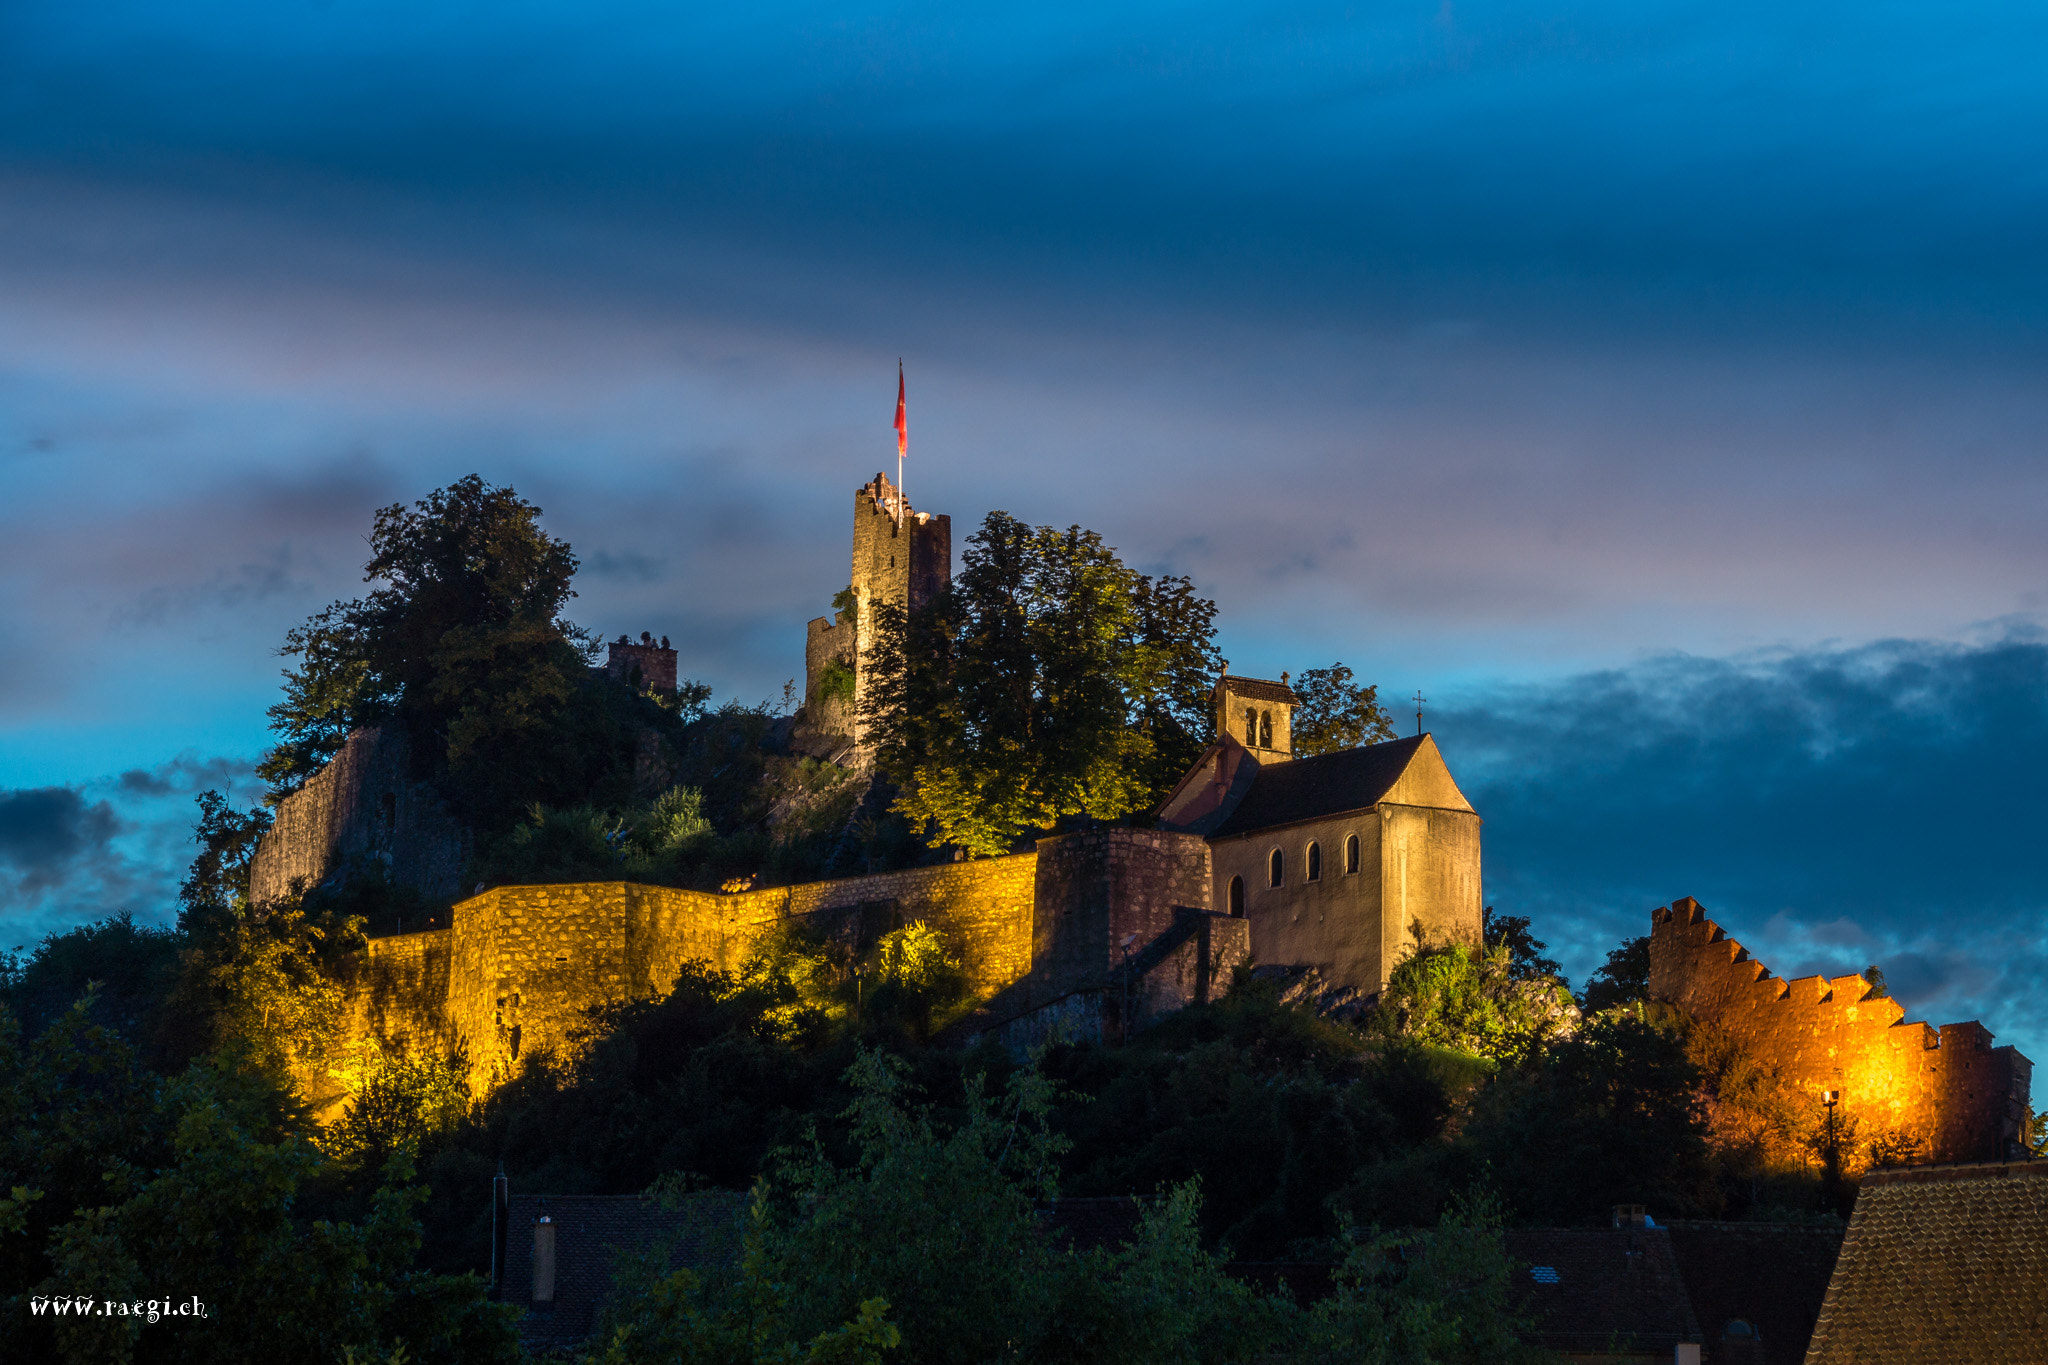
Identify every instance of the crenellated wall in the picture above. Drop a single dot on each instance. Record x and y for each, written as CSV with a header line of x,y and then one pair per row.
x,y
1965,1098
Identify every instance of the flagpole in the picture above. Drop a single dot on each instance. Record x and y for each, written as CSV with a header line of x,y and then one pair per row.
x,y
902,440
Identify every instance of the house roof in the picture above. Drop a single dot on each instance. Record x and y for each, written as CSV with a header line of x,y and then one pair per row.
x,y
1944,1264
1328,784
703,1231
1259,689
1771,1276
1594,1289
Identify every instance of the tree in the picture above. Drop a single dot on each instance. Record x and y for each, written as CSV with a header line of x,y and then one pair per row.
x,y
273,983
1335,713
1525,950
133,1188
1612,1114
1621,980
463,646
1048,681
219,877
1471,1000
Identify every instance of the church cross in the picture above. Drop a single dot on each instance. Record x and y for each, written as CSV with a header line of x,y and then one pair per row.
x,y
1418,711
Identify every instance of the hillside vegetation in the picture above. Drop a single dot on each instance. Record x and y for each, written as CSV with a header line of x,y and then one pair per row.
x,y
152,1145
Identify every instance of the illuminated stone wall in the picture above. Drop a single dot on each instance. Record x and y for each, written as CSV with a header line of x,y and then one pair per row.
x,y
1101,930
1964,1098
520,965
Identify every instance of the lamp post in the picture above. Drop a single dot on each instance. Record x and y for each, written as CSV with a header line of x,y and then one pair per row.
x,y
1832,1172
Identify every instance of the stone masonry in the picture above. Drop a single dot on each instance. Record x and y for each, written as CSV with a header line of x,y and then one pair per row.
x,y
1964,1098
900,556
362,810
1103,930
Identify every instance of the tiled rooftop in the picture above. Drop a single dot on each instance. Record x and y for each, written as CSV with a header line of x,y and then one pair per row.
x,y
1946,1265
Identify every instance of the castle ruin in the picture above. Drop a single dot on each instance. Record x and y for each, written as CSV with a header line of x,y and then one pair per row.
x,y
1962,1098
1341,863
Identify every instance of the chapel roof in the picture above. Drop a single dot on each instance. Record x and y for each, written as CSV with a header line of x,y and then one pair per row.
x,y
1328,784
1258,689
1946,1263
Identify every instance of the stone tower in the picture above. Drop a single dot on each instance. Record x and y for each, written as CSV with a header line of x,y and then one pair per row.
x,y
900,556
1257,714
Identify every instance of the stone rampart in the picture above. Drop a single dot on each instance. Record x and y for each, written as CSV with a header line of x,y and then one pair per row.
x,y
362,810
1104,930
1964,1098
520,966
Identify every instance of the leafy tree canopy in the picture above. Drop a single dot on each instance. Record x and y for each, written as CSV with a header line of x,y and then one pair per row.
x,y
1525,950
1473,1000
1050,680
1336,713
1621,980
218,881
463,645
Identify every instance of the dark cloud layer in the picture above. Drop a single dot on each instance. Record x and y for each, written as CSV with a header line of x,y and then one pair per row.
x,y
78,853
1831,809
43,828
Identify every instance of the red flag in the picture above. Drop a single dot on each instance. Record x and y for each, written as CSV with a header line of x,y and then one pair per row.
x,y
902,425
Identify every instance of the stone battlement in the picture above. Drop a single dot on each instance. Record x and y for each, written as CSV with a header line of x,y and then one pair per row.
x,y
1963,1097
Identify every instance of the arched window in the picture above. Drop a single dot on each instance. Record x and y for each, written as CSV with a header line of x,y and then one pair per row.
x,y
1265,729
1351,853
1251,726
1237,897
1275,869
1315,862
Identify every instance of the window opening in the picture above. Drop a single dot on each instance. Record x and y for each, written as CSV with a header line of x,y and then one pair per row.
x,y
1315,862
1265,729
1276,869
1351,854
1237,897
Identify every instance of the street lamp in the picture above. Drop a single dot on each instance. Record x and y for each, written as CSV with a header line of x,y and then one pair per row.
x,y
1829,1099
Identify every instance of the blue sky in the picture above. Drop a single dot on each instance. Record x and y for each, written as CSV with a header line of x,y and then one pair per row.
x,y
1657,387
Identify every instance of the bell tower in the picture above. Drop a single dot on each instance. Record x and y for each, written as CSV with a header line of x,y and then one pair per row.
x,y
1257,714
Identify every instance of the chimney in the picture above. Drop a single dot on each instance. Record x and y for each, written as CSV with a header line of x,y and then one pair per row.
x,y
501,1215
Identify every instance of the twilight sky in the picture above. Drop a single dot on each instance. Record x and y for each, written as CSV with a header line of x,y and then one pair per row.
x,y
1659,387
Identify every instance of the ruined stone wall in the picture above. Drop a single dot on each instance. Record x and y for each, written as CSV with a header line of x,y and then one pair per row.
x,y
824,642
362,809
520,965
1963,1097
1109,926
646,666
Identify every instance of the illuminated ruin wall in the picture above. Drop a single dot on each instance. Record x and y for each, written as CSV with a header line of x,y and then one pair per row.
x,y
1109,925
1964,1098
519,965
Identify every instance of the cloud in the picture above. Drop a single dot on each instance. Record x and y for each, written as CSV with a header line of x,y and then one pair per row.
x,y
628,565
44,828
1831,808
185,775
122,842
